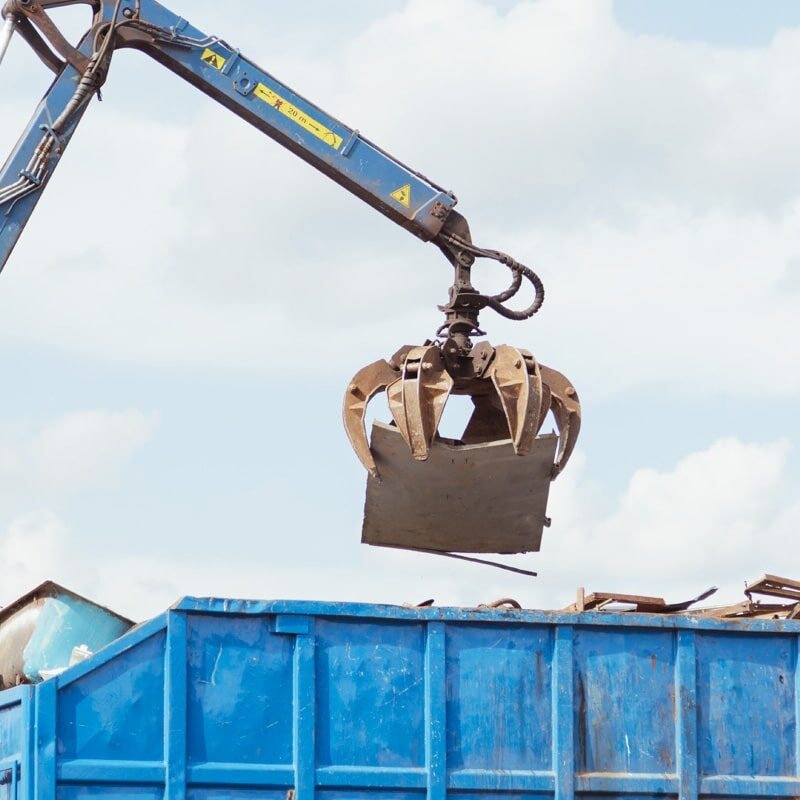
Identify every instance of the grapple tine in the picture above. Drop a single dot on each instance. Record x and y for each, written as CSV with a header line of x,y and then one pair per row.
x,y
567,411
520,392
546,400
533,412
418,401
394,396
366,383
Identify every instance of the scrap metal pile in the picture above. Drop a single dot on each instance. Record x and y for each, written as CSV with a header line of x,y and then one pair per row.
x,y
770,586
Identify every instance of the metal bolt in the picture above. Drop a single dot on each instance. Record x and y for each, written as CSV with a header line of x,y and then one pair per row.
x,y
570,391
426,365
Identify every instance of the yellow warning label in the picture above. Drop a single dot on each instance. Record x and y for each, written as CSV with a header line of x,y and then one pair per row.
x,y
297,116
213,59
403,195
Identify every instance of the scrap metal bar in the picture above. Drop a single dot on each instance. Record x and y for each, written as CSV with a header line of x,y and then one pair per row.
x,y
483,561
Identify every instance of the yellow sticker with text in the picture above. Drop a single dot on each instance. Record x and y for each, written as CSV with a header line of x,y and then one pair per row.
x,y
297,116
402,195
213,59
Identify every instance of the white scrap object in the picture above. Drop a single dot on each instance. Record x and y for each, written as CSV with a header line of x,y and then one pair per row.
x,y
79,654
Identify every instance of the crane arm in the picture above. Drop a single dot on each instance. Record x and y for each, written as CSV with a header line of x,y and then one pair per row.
x,y
222,72
511,391
402,194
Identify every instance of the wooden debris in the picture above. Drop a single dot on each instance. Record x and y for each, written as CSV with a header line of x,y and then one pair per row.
x,y
773,586
596,601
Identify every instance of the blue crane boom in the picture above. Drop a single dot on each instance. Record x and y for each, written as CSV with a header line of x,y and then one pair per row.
x,y
511,391
208,63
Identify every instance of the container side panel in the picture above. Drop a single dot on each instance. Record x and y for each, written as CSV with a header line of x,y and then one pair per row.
x,y
621,795
746,704
12,730
117,710
370,694
761,796
240,691
237,794
499,697
109,792
503,796
624,700
370,794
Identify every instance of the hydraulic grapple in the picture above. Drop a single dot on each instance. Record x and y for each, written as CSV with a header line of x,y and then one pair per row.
x,y
511,393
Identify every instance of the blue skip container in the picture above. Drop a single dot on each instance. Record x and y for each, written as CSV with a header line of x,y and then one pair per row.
x,y
239,700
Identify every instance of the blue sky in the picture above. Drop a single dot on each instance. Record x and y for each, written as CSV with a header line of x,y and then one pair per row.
x,y
161,432
730,23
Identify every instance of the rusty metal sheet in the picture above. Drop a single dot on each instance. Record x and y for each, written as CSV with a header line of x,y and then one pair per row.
x,y
478,498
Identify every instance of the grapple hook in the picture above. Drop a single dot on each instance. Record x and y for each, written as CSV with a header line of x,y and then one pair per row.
x,y
366,383
418,399
474,494
566,409
511,393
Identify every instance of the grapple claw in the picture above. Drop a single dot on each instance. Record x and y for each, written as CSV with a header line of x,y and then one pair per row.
x,y
366,383
473,494
566,409
516,377
418,399
546,401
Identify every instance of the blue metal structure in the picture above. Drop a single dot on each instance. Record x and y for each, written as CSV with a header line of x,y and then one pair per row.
x,y
238,700
219,70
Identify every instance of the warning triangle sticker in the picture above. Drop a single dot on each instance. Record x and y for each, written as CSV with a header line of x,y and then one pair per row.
x,y
402,195
212,59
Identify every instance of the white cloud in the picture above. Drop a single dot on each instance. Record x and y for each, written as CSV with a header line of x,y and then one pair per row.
x,y
75,452
35,548
40,468
719,516
89,447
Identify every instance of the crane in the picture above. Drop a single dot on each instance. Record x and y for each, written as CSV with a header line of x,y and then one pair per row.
x,y
510,390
